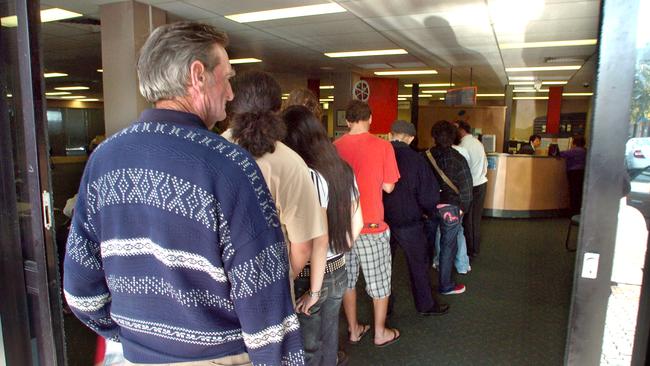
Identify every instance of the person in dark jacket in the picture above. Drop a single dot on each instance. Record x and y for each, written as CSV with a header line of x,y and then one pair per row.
x,y
533,143
415,194
455,180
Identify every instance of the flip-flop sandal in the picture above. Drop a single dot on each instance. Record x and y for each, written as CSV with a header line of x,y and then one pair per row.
x,y
388,343
366,329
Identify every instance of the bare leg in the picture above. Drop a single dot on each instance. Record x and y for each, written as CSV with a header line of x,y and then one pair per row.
x,y
350,308
382,333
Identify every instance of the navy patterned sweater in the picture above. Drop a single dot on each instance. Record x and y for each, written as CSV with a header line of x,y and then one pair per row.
x,y
175,248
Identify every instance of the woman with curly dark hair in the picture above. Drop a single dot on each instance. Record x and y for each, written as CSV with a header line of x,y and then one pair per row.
x,y
339,197
256,126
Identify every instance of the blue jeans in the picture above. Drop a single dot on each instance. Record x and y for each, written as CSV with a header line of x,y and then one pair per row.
x,y
448,219
461,262
320,329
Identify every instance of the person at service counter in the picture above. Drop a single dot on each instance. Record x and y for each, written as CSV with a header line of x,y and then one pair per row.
x,y
373,162
576,158
174,227
533,143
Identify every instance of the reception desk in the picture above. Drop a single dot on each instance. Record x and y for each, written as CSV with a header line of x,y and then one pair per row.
x,y
521,186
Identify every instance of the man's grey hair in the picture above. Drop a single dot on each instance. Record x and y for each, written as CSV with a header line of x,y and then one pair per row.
x,y
166,56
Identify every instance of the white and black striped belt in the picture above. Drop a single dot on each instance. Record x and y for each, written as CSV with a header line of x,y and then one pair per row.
x,y
332,265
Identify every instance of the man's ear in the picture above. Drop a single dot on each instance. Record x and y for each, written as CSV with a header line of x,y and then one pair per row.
x,y
370,119
197,75
409,139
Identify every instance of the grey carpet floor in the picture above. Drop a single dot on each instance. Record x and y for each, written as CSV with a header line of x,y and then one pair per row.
x,y
515,310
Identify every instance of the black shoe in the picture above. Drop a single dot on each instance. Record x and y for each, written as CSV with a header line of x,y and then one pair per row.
x,y
341,358
438,309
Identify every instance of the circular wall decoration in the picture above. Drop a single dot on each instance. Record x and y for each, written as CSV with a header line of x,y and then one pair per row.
x,y
361,91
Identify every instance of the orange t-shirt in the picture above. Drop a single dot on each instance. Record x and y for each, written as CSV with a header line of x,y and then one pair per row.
x,y
373,162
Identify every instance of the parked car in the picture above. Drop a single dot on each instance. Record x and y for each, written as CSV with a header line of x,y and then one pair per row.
x,y
637,153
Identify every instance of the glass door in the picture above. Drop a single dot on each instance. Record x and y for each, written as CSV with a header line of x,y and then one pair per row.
x,y
31,318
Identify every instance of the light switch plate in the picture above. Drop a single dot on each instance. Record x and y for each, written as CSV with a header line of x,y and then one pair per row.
x,y
590,265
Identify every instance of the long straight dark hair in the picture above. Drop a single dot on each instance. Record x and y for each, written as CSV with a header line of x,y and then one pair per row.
x,y
306,136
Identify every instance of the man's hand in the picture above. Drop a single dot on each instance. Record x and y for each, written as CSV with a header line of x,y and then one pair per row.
x,y
305,302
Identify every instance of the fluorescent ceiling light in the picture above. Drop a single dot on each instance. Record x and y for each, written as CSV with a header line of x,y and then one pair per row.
x,y
409,96
406,72
397,51
10,95
294,12
533,83
326,105
73,97
576,42
434,91
491,95
521,78
577,94
543,68
530,98
400,99
441,98
326,87
100,70
430,85
54,74
248,60
88,100
47,15
72,88
325,100
531,90
284,98
51,94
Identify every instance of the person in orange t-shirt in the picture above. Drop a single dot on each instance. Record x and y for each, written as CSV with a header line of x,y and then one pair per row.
x,y
375,167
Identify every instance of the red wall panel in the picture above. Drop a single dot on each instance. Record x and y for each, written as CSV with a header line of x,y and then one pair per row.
x,y
553,109
383,103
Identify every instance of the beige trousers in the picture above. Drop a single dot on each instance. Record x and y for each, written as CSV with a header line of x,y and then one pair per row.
x,y
235,360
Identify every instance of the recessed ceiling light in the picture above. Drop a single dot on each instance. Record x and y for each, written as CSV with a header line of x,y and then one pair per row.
x,y
294,12
72,88
54,74
51,94
406,72
100,70
554,82
530,98
434,91
491,95
47,15
73,97
543,68
249,60
10,95
326,87
430,85
397,51
576,42
577,94
521,78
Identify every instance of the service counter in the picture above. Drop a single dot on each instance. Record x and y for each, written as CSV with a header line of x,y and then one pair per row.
x,y
521,186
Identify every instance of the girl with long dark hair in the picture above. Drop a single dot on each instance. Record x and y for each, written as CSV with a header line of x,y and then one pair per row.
x,y
337,190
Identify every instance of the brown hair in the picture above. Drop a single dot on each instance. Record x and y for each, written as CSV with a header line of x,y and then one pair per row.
x,y
357,111
304,97
255,123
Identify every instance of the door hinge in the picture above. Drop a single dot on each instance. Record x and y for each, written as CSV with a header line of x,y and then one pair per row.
x,y
47,210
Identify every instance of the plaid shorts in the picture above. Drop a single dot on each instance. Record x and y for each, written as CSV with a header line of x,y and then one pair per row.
x,y
372,252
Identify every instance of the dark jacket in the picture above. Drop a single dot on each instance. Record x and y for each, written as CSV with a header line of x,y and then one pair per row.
x,y
526,149
417,191
455,167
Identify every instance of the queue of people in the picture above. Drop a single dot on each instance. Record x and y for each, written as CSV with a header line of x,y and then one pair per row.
x,y
190,247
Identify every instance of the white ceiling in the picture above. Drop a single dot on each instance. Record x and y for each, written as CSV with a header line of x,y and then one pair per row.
x,y
459,35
